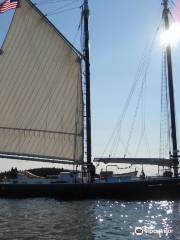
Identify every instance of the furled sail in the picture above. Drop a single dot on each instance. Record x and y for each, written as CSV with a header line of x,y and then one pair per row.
x,y
41,107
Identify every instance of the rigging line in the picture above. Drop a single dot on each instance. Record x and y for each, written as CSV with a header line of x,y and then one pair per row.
x,y
118,125
165,111
139,143
63,7
78,29
82,34
134,118
123,114
142,124
116,145
144,121
175,9
177,135
163,107
147,143
145,71
148,59
174,5
63,11
144,112
118,137
44,1
172,2
171,5
38,2
174,14
162,73
145,65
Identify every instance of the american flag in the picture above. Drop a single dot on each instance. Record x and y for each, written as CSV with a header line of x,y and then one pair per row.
x,y
7,5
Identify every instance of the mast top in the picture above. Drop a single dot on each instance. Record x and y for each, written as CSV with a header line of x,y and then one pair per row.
x,y
86,8
165,5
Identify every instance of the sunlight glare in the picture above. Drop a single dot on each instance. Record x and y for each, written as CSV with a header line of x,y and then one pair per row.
x,y
171,36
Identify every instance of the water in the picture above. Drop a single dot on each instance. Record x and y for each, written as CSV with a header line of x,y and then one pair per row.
x,y
86,220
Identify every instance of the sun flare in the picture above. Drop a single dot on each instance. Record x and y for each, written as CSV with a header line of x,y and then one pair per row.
x,y
171,36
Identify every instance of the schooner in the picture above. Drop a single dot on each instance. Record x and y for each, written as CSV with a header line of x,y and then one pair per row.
x,y
43,111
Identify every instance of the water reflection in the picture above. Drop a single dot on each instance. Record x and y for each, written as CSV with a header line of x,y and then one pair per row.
x,y
46,219
157,220
88,220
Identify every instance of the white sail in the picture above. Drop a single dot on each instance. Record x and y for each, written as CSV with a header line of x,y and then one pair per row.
x,y
41,108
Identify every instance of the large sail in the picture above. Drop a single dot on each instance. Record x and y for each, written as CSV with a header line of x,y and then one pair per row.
x,y
41,108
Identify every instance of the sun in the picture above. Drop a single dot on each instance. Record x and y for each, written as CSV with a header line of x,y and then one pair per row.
x,y
171,36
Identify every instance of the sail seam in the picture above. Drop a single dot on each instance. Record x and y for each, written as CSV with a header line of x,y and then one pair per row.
x,y
42,131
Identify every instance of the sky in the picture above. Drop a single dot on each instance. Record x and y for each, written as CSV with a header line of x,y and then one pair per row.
x,y
120,33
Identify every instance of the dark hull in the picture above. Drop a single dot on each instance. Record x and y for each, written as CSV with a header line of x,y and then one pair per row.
x,y
138,190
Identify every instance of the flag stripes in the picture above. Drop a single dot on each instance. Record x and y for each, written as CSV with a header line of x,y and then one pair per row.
x,y
7,5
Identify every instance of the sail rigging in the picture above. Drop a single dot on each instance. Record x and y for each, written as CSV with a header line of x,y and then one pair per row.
x,y
41,100
167,107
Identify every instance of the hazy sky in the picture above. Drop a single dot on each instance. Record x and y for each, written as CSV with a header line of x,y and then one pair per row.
x,y
120,32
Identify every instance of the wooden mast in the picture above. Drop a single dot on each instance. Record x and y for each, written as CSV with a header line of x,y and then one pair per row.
x,y
171,92
87,81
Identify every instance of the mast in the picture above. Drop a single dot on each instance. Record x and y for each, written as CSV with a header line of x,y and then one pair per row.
x,y
171,92
87,80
